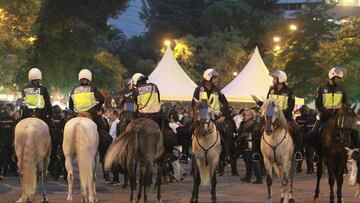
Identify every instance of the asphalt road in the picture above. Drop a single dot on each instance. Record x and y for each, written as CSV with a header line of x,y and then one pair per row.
x,y
229,189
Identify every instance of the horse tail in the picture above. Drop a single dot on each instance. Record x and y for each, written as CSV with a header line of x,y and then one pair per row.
x,y
27,160
122,149
160,149
84,155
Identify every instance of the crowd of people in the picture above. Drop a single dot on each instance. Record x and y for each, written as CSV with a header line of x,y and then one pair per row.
x,y
143,101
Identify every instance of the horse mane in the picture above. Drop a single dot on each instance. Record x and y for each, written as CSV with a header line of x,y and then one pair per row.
x,y
282,123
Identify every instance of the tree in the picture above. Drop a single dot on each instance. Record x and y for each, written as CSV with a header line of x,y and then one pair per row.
x,y
222,51
344,51
297,55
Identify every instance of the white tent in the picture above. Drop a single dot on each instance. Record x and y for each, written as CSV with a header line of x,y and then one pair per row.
x,y
253,79
174,84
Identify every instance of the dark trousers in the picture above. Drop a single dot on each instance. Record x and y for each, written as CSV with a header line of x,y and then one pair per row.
x,y
251,167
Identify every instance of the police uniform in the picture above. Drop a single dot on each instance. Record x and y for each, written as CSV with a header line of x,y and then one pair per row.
x,y
7,124
147,98
329,100
218,102
37,101
86,98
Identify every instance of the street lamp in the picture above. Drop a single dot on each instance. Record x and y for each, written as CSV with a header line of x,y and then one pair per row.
x,y
167,43
277,48
293,27
276,39
235,73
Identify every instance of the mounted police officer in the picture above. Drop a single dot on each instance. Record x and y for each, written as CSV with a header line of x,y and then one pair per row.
x,y
283,94
329,99
147,98
36,97
218,104
86,98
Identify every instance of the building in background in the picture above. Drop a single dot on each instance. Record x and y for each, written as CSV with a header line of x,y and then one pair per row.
x,y
344,8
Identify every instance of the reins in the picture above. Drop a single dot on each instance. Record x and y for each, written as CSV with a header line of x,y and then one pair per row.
x,y
207,150
275,147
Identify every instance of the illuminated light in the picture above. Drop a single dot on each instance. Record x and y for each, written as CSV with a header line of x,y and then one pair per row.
x,y
235,73
277,48
276,39
32,39
293,27
167,43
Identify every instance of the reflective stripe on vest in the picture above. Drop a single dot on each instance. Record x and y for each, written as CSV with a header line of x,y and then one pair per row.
x,y
148,102
214,99
83,101
35,101
332,100
281,99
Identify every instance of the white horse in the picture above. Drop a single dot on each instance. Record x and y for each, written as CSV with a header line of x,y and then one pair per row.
x,y
32,147
81,139
206,149
277,148
354,171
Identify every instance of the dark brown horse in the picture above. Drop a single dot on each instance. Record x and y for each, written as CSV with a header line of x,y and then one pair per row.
x,y
334,139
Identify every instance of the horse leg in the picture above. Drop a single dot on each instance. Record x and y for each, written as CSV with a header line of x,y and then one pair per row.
x,y
70,178
291,179
43,179
160,165
141,180
94,178
331,182
339,181
213,188
319,171
269,180
132,178
197,180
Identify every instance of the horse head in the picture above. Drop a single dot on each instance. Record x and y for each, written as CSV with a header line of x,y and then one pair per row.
x,y
274,118
346,117
202,116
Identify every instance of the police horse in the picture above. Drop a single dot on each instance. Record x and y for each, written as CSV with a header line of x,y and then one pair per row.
x,y
277,148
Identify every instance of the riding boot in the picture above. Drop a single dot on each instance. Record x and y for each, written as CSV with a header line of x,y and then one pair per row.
x,y
297,138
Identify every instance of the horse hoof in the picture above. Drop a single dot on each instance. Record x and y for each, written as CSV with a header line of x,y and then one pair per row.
x,y
282,200
159,201
269,201
193,201
292,200
316,199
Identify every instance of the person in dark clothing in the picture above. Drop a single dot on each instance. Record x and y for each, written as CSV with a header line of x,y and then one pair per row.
x,y
245,140
7,153
86,98
36,97
306,121
283,94
147,98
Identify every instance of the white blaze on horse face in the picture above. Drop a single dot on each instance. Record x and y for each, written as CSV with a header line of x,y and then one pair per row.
x,y
353,173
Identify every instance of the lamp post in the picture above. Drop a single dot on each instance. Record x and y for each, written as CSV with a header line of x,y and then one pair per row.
x,y
276,39
167,42
293,27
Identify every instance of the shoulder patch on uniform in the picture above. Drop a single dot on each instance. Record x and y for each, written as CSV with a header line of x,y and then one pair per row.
x,y
272,91
326,91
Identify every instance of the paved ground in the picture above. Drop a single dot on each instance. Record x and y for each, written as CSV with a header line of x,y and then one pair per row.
x,y
230,190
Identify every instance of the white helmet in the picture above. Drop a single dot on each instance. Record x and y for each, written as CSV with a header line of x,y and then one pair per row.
x,y
281,75
209,73
35,74
136,77
336,72
85,74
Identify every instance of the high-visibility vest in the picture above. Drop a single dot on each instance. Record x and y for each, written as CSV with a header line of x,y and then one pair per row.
x,y
281,99
83,100
332,100
214,101
35,100
148,100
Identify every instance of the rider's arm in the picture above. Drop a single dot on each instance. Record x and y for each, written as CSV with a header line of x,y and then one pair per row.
x,y
344,98
195,98
319,101
225,110
291,104
71,102
99,97
48,107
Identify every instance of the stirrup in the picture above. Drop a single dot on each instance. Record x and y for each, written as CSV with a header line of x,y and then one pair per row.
x,y
298,156
256,157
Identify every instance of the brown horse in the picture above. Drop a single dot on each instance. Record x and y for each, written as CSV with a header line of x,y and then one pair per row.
x,y
142,142
332,150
